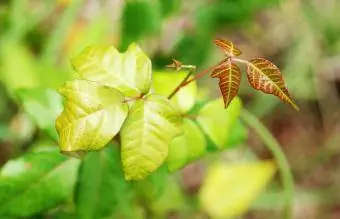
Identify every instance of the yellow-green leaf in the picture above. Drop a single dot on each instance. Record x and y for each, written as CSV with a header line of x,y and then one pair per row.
x,y
146,135
216,121
128,72
229,189
165,82
263,75
187,147
93,115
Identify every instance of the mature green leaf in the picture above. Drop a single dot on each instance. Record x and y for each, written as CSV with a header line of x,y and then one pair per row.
x,y
165,82
18,68
229,189
93,115
229,76
146,135
35,182
187,147
263,75
102,190
217,122
238,134
128,72
44,106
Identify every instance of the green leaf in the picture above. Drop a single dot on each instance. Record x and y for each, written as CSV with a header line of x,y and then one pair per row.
x,y
129,72
217,122
35,182
146,135
102,190
165,82
187,147
229,189
93,115
238,134
44,106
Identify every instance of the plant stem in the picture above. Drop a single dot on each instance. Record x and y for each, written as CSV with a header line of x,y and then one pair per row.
x,y
274,146
240,61
197,76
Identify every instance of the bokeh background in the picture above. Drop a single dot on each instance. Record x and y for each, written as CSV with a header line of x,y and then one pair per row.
x,y
302,37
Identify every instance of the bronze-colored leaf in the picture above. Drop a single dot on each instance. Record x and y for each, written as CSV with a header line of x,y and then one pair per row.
x,y
228,47
177,65
230,79
263,75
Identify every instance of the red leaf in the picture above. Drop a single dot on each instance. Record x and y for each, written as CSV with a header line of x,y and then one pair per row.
x,y
228,47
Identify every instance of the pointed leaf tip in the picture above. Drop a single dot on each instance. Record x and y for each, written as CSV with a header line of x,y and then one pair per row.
x,y
229,81
263,75
228,47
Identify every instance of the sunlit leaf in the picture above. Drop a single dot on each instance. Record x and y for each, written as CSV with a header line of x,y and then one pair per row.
x,y
216,121
230,80
263,75
187,147
229,189
129,72
44,106
36,182
228,47
146,135
102,190
238,134
93,115
165,82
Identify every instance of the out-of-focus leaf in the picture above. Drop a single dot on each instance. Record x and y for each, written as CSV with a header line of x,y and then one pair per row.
x,y
238,134
169,6
228,47
44,106
229,189
129,72
146,135
263,75
35,182
217,122
165,82
187,147
93,115
229,81
18,67
102,190
140,18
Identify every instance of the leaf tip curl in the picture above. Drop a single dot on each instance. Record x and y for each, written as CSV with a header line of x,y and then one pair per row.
x,y
228,47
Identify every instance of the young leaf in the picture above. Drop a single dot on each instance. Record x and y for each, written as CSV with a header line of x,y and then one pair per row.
x,y
93,115
165,82
146,135
228,47
217,122
44,106
177,65
102,190
229,189
187,147
129,72
263,75
230,80
36,182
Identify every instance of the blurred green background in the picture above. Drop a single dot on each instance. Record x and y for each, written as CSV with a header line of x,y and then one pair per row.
x,y
302,37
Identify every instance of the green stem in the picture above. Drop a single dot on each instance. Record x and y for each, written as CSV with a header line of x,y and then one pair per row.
x,y
274,146
55,40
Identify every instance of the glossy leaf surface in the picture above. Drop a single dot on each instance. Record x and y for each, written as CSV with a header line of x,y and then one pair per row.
x,y
93,115
102,190
165,82
128,72
187,147
229,189
228,47
44,106
146,135
36,182
229,81
217,122
263,75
